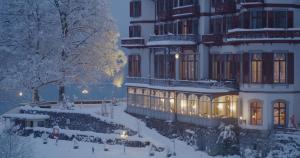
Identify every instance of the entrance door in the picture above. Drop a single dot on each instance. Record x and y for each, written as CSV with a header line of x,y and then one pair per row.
x,y
279,113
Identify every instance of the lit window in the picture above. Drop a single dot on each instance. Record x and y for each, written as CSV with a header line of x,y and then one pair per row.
x,y
280,75
256,113
256,68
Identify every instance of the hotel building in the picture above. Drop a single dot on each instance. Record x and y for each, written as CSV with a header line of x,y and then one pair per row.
x,y
210,61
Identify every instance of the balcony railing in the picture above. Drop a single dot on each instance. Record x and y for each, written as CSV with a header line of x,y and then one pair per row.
x,y
251,1
263,34
175,39
188,10
212,39
185,83
133,42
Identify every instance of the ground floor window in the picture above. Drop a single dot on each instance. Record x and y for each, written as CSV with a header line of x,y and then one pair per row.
x,y
182,104
279,112
204,106
256,113
225,106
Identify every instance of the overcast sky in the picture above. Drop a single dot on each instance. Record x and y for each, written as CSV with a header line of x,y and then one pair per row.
x,y
120,11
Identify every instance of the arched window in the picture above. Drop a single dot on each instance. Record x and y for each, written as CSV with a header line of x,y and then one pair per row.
x,y
256,113
193,105
204,106
182,104
279,114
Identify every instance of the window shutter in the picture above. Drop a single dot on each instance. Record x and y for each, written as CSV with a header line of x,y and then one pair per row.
x,y
139,8
139,31
131,9
210,65
290,19
246,64
247,20
264,19
235,21
156,29
270,19
130,65
224,25
267,68
290,67
139,66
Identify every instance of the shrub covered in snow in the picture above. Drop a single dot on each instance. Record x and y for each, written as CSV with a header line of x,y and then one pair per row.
x,y
227,140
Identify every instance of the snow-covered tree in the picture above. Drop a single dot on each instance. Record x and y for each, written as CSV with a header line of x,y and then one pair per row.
x,y
29,57
88,40
228,140
13,146
57,41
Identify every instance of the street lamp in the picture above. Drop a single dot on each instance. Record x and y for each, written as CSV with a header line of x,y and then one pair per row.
x,y
124,136
84,91
177,55
20,94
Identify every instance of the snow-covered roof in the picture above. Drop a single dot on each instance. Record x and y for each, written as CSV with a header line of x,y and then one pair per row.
x,y
180,88
26,116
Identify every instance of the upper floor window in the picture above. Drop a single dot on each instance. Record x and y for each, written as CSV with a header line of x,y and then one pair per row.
x,y
280,65
256,19
256,113
178,3
188,67
279,19
134,66
256,68
135,8
135,31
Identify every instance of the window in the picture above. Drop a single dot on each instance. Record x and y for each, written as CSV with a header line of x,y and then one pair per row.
x,y
182,104
280,75
159,66
204,106
135,8
256,17
131,96
279,113
280,19
172,66
256,68
134,66
135,31
178,3
256,113
193,105
188,67
225,106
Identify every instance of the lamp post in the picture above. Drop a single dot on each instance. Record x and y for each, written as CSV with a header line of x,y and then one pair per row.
x,y
174,152
124,137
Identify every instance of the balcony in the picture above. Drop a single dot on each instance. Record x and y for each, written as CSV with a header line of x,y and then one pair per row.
x,y
172,39
214,39
188,10
225,8
264,35
133,42
207,84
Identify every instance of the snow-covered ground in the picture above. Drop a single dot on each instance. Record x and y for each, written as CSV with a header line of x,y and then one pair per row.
x,y
64,149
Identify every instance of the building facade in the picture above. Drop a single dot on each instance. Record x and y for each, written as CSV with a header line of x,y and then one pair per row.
x,y
211,61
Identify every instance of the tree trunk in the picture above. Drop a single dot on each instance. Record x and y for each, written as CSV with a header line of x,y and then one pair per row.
x,y
61,94
35,96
